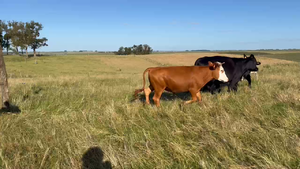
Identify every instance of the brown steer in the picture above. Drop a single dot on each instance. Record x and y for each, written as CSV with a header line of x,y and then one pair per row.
x,y
179,79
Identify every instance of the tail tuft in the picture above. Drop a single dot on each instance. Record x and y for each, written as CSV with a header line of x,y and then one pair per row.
x,y
137,91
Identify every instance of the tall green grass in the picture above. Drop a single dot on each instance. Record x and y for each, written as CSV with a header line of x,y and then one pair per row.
x,y
64,115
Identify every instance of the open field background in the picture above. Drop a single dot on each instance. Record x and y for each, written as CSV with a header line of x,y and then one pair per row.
x,y
72,103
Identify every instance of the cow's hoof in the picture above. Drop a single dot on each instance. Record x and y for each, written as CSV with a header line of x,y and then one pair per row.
x,y
200,103
147,104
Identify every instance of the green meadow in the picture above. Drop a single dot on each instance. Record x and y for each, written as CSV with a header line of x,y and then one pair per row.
x,y
78,111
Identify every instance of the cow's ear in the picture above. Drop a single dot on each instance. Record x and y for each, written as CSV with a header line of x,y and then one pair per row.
x,y
222,63
251,56
245,56
211,65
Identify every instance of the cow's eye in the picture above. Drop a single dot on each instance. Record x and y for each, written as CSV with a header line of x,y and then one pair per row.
x,y
222,71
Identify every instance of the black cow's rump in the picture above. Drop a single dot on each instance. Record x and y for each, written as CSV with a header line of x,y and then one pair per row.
x,y
235,69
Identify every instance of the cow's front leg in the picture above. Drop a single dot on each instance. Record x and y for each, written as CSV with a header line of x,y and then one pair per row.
x,y
199,97
212,88
248,77
194,97
232,87
233,84
217,87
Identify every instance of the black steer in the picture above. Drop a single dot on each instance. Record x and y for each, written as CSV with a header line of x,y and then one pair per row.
x,y
235,69
247,74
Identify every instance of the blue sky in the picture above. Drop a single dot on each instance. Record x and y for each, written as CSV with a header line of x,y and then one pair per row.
x,y
164,25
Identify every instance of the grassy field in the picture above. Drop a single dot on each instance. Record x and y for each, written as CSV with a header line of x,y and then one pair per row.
x,y
77,112
286,56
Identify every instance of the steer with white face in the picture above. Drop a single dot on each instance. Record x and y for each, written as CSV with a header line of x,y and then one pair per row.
x,y
222,75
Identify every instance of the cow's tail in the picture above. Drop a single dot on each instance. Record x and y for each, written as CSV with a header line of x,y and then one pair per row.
x,y
137,91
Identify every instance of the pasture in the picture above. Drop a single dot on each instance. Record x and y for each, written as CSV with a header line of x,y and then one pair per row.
x,y
76,111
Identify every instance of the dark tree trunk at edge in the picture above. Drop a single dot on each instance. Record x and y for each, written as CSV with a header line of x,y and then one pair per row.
x,y
3,82
34,54
7,47
26,51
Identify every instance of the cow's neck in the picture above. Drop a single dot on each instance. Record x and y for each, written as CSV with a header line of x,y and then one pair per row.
x,y
242,66
208,76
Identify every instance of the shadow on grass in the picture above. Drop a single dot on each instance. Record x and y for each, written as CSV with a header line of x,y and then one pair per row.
x,y
168,96
185,96
10,108
93,159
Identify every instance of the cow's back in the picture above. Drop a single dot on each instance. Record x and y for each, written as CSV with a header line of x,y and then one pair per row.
x,y
176,72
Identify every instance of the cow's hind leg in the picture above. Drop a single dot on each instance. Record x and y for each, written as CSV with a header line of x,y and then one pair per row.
x,y
147,92
156,97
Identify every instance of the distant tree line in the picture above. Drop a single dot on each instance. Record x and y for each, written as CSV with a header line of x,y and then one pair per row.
x,y
137,50
199,50
20,35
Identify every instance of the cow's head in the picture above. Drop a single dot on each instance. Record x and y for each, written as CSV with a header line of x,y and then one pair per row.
x,y
251,63
218,71
252,56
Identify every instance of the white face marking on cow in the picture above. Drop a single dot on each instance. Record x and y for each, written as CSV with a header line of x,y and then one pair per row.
x,y
222,75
